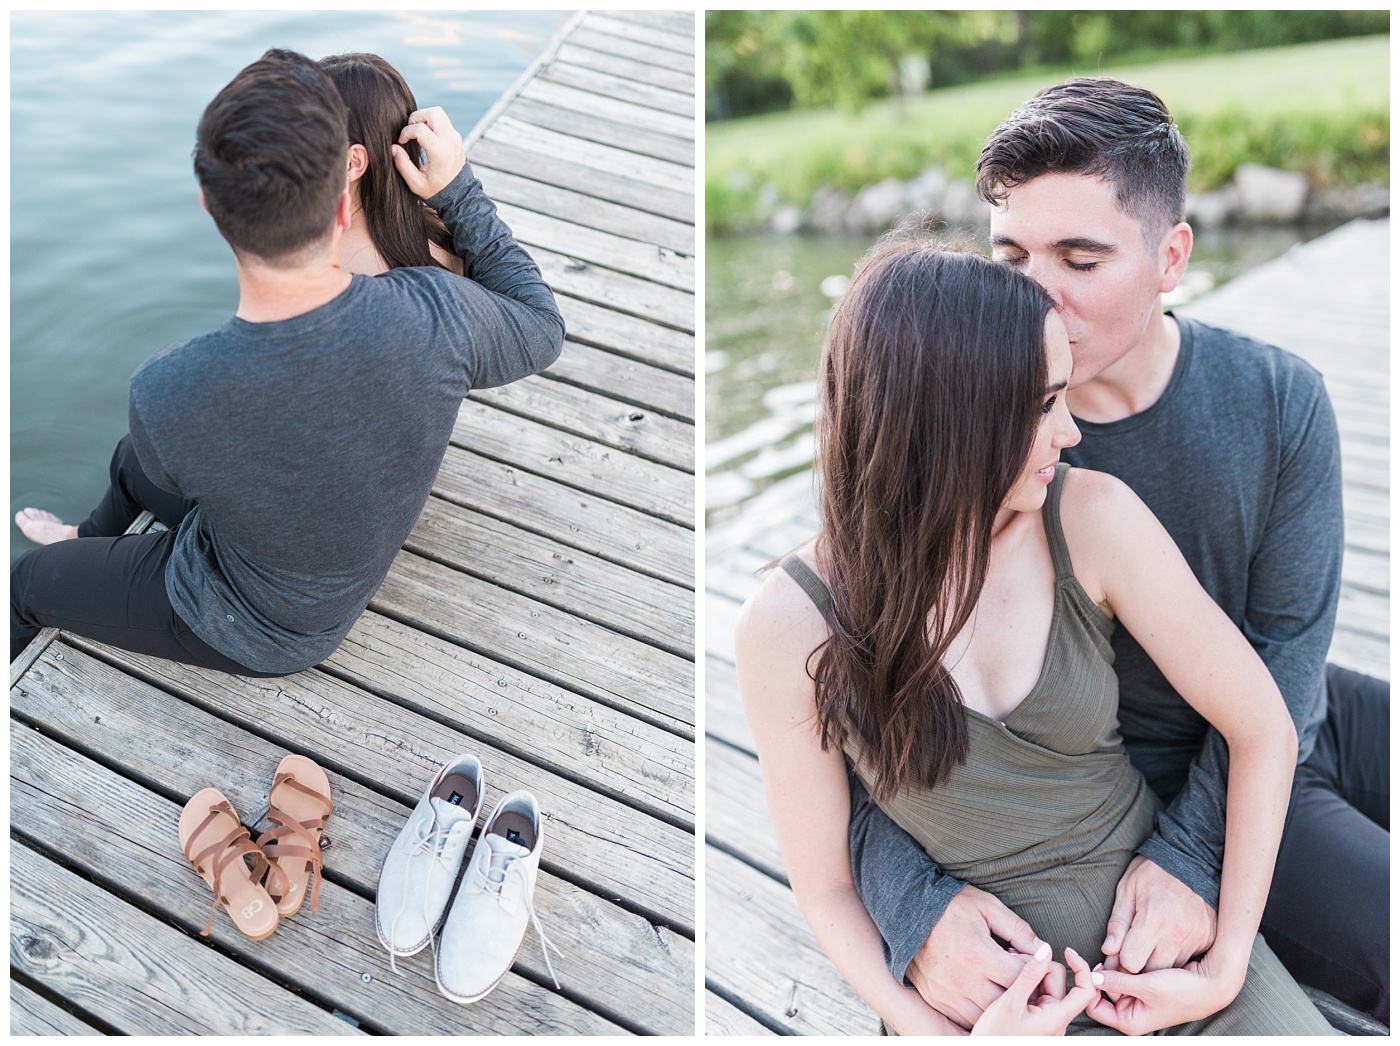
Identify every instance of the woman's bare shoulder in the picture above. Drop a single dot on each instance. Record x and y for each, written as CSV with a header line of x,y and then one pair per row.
x,y
1103,521
780,616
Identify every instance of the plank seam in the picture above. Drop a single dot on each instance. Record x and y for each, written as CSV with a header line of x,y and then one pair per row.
x,y
675,727
425,552
748,1009
68,1006
531,71
408,705
578,384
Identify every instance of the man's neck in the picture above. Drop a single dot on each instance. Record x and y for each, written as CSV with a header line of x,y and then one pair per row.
x,y
266,294
1136,381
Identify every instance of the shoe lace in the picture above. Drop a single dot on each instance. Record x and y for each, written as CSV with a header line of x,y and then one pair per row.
x,y
492,878
432,838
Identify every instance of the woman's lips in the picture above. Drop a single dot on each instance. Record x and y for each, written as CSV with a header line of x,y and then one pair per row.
x,y
1047,474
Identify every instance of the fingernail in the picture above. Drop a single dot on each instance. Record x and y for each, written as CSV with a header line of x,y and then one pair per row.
x,y
1109,942
1098,967
1043,952
1097,978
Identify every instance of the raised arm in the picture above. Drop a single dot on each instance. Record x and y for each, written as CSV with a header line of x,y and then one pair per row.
x,y
1128,562
777,631
532,331
1293,580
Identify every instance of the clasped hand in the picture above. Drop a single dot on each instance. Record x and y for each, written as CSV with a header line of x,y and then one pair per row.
x,y
1157,924
443,152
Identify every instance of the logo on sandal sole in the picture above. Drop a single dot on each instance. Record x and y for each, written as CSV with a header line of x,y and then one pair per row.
x,y
252,908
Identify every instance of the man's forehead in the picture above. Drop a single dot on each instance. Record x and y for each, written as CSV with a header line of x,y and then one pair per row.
x,y
1054,208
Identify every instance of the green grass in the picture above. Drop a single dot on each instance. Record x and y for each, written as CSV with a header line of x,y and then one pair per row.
x,y
1321,108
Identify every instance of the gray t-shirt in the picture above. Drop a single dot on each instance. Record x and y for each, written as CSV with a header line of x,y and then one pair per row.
x,y
310,445
1240,460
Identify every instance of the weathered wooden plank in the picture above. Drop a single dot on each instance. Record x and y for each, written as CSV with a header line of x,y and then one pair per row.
x,y
567,651
643,260
586,79
566,174
615,218
577,461
627,380
605,132
1361,653
607,750
721,615
646,170
615,290
615,25
32,1014
736,574
653,611
351,732
724,711
130,840
586,36
619,65
1367,570
621,426
682,23
140,975
761,951
736,813
628,336
721,1018
584,521
572,99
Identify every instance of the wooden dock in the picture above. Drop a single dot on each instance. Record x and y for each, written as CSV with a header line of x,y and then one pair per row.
x,y
1328,301
540,615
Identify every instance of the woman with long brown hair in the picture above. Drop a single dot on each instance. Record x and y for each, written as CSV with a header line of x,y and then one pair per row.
x,y
945,636
390,226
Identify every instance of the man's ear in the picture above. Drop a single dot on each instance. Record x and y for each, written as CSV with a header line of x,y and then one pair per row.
x,y
1173,255
343,211
356,162
202,203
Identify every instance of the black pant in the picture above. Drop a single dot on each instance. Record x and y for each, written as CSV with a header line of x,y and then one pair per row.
x,y
108,586
1328,916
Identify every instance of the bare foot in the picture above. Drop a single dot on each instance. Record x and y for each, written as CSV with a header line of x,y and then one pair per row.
x,y
43,528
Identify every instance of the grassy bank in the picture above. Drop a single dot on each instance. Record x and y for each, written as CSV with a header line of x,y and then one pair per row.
x,y
1319,108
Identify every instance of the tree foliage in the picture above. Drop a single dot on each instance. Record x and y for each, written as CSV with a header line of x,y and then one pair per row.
x,y
759,61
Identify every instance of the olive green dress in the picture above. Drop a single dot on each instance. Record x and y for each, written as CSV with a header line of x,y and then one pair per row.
x,y
1047,811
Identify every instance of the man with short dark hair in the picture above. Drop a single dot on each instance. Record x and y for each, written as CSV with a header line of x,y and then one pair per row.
x,y
1233,445
290,451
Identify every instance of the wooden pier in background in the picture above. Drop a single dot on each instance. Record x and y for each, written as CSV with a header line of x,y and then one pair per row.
x,y
540,615
1327,301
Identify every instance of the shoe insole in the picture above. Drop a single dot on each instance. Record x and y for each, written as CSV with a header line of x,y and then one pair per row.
x,y
517,828
458,790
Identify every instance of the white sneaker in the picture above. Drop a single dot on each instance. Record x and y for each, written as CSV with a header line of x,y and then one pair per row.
x,y
487,922
426,858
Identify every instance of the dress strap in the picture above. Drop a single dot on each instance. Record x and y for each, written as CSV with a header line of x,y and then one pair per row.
x,y
1054,533
808,581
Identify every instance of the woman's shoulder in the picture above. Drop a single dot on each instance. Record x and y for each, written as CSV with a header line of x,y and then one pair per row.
x,y
1103,521
780,615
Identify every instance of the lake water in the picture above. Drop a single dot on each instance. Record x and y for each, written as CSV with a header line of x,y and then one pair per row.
x,y
766,308
111,256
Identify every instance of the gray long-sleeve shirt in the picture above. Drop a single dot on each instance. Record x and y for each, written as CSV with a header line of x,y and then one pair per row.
x,y
1240,460
310,445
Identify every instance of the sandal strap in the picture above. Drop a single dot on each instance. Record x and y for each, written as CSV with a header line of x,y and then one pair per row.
x,y
307,846
233,847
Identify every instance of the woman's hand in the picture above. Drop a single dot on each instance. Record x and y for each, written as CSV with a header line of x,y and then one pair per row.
x,y
1026,1008
443,153
1140,1003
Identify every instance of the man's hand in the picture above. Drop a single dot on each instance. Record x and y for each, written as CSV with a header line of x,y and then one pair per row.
x,y
1158,922
1027,1009
960,970
443,154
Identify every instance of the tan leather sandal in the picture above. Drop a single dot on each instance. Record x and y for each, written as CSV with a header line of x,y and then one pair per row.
x,y
216,844
298,803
